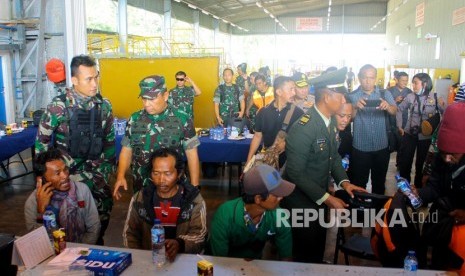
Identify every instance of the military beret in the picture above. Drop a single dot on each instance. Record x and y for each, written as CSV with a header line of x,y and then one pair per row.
x,y
333,80
300,79
151,86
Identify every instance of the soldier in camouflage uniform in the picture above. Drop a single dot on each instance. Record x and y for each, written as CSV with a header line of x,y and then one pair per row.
x,y
81,124
228,99
182,97
243,81
157,125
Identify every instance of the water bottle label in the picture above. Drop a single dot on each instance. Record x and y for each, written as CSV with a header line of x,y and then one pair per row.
x,y
158,236
409,266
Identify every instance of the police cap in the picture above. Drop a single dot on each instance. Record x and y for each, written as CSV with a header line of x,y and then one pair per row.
x,y
333,80
151,86
300,79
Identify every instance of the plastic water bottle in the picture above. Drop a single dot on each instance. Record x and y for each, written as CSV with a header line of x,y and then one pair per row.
x,y
158,244
228,131
50,222
211,133
410,264
115,124
404,187
246,131
345,162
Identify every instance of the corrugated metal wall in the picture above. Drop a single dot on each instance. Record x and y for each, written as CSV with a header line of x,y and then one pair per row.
x,y
438,21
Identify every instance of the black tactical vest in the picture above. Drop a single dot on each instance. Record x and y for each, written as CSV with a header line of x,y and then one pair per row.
x,y
85,138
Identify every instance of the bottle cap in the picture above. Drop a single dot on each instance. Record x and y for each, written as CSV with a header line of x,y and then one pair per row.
x,y
156,221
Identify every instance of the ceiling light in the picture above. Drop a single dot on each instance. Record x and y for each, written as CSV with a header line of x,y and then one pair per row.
x,y
266,11
179,1
224,20
272,16
192,6
205,12
276,20
258,4
216,17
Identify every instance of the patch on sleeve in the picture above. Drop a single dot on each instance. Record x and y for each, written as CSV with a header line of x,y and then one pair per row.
x,y
304,119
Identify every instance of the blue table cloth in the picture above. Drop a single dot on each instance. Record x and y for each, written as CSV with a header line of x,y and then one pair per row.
x,y
17,142
213,150
225,150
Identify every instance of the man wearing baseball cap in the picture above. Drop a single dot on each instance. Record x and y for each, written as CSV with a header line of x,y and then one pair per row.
x,y
158,125
241,227
446,189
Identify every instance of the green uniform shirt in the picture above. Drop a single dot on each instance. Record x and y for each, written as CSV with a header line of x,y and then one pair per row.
x,y
230,237
230,101
182,99
55,122
312,158
145,133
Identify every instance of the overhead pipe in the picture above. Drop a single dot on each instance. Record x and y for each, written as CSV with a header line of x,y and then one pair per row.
x,y
6,27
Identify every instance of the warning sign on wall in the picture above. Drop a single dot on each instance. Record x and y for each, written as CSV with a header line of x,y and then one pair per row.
x,y
458,16
309,24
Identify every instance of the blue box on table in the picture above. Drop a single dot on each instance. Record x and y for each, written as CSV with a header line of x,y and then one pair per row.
x,y
104,262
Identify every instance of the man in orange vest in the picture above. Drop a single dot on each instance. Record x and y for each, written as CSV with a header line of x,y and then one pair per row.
x,y
259,98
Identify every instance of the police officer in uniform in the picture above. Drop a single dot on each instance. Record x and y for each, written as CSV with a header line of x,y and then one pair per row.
x,y
312,157
157,125
81,124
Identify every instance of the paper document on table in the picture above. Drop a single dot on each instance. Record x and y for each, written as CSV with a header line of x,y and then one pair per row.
x,y
68,256
32,248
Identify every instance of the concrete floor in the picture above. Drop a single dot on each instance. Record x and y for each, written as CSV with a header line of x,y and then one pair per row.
x,y
13,195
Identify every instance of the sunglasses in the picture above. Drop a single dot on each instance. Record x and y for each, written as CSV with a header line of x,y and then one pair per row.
x,y
179,79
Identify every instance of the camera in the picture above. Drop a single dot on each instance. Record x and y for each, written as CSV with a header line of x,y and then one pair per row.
x,y
414,130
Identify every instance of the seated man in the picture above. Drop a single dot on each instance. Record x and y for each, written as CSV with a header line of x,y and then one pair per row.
x,y
241,226
178,205
72,202
446,189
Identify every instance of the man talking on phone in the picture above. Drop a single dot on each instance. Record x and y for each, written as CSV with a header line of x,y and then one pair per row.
x,y
370,143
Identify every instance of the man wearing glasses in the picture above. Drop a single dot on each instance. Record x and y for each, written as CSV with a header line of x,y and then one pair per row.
x,y
182,97
79,123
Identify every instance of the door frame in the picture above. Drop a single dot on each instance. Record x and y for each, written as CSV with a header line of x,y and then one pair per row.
x,y
8,86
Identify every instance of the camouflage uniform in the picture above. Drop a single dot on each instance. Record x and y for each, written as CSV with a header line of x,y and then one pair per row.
x,y
230,103
145,133
240,82
95,173
182,99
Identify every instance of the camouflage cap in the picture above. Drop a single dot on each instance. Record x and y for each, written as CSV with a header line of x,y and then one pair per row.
x,y
151,86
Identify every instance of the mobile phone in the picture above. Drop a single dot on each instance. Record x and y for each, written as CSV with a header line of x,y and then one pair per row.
x,y
372,103
44,180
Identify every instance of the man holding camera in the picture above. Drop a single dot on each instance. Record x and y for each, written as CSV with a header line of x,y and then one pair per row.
x,y
370,144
